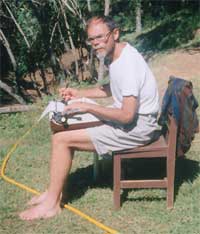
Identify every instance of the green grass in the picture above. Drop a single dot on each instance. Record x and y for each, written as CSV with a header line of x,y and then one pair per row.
x,y
143,210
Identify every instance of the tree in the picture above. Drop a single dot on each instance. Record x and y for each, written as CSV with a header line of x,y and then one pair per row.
x,y
9,90
138,11
107,7
34,34
89,5
5,42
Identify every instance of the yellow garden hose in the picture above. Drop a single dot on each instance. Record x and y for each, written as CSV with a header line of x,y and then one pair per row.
x,y
22,186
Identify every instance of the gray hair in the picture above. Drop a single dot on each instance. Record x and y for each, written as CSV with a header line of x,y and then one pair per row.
x,y
111,24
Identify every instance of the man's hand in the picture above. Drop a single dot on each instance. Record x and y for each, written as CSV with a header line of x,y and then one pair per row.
x,y
68,93
78,107
123,115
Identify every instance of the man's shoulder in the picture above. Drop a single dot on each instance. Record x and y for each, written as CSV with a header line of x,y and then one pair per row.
x,y
131,51
131,54
130,47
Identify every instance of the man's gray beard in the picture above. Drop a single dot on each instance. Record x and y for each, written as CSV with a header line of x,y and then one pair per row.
x,y
104,60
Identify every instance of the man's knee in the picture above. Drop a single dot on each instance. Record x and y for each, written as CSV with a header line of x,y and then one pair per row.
x,y
76,139
60,138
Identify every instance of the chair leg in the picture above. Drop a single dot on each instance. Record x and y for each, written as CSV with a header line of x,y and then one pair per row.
x,y
96,167
117,177
170,181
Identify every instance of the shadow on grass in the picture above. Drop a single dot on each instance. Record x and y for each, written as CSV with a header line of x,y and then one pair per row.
x,y
82,179
187,170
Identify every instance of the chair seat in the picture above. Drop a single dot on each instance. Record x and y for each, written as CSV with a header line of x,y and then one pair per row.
x,y
157,145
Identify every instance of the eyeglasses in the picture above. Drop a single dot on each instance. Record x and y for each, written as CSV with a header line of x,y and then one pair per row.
x,y
99,38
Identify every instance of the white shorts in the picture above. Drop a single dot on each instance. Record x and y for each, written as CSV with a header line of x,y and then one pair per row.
x,y
111,137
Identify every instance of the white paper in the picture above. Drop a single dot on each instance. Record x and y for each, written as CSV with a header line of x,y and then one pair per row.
x,y
57,106
53,106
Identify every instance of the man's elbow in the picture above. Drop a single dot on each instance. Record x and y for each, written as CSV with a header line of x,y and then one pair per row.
x,y
128,118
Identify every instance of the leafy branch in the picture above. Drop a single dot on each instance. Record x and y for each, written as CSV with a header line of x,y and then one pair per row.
x,y
17,25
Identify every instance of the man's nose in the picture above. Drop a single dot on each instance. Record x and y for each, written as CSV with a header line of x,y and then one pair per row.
x,y
95,42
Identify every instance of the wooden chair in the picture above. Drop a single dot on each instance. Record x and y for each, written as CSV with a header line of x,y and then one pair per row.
x,y
164,147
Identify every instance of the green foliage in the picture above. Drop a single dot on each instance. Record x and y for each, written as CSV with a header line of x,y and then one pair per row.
x,y
28,22
31,28
165,24
172,32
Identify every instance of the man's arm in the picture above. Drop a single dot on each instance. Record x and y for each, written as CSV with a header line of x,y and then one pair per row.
x,y
96,92
124,115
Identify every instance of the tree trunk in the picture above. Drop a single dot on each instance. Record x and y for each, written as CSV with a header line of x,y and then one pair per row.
x,y
72,45
107,7
138,11
35,85
70,39
8,89
7,46
66,45
73,7
44,79
14,108
89,5
91,63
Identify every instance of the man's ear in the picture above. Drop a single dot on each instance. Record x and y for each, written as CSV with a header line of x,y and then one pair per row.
x,y
116,34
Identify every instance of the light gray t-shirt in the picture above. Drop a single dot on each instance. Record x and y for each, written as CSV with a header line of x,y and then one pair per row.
x,y
130,76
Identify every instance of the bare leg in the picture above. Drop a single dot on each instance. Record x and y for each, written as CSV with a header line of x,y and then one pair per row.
x,y
61,161
37,199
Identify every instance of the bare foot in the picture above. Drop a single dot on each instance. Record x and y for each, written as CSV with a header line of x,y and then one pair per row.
x,y
37,199
42,211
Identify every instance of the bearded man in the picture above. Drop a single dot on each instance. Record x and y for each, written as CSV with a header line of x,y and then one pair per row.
x,y
130,122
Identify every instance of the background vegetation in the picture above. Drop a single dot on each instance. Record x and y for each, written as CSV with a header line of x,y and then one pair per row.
x,y
34,37
35,34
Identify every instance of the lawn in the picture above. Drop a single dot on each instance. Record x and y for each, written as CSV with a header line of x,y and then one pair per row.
x,y
143,210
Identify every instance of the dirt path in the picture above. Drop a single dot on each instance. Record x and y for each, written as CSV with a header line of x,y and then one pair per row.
x,y
182,64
